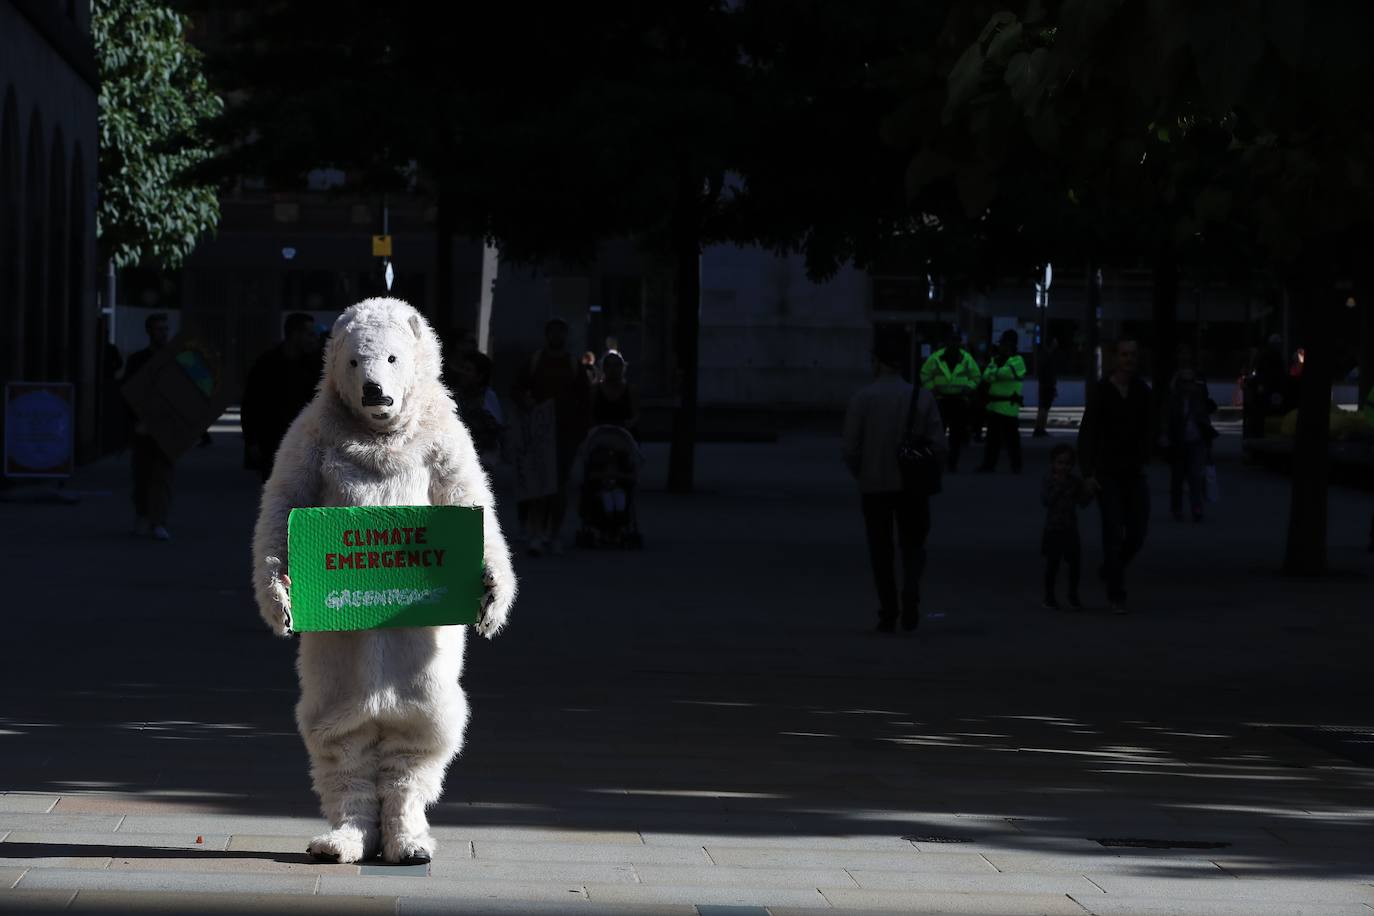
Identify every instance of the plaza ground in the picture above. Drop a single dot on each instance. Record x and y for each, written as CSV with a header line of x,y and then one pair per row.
x,y
709,723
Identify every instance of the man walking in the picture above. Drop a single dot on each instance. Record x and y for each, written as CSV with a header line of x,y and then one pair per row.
x,y
1047,385
879,419
152,468
282,381
952,375
1003,377
1114,447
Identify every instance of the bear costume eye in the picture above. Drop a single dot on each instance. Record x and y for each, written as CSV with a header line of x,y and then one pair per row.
x,y
353,363
391,359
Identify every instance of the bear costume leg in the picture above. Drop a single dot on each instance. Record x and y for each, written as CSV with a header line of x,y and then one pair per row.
x,y
343,767
411,759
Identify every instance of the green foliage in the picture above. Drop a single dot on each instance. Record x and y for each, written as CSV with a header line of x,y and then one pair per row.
x,y
155,104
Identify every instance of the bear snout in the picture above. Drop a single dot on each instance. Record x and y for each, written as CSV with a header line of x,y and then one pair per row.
x,y
373,396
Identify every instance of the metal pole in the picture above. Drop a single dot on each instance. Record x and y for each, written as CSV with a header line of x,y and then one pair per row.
x,y
110,297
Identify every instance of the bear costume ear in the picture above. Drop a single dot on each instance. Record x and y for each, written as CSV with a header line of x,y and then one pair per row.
x,y
416,327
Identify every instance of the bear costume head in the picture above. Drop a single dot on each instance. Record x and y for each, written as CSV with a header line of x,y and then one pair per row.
x,y
382,353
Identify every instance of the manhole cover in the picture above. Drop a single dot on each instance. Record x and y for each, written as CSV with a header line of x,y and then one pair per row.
x,y
935,839
1138,843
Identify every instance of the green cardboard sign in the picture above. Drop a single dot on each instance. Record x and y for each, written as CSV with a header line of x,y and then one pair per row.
x,y
359,568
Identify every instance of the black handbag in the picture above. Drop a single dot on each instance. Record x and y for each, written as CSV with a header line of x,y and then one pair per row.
x,y
917,459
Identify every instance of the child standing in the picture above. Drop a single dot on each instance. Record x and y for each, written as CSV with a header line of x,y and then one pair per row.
x,y
1062,493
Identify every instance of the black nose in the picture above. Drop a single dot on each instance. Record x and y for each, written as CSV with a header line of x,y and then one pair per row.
x,y
372,390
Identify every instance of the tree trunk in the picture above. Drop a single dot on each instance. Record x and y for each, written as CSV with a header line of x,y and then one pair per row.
x,y
687,303
1090,326
1164,309
445,312
1306,550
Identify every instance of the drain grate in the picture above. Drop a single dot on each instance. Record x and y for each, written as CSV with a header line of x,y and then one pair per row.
x,y
1141,843
935,839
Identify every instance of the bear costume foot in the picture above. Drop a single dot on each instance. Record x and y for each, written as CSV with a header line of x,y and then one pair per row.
x,y
343,845
407,849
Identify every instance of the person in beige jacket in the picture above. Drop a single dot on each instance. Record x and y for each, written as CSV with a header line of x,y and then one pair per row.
x,y
874,426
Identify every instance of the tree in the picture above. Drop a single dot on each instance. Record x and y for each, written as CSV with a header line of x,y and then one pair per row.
x,y
155,108
1250,124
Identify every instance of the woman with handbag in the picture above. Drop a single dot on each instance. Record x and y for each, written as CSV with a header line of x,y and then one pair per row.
x,y
894,446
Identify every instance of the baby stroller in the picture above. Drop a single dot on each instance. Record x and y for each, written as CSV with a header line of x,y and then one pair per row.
x,y
607,464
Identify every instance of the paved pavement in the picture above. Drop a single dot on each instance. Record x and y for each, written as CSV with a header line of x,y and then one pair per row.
x,y
709,724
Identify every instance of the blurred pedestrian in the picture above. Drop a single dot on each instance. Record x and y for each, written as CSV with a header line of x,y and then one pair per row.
x,y
1047,385
279,385
1003,377
479,407
556,393
1187,436
1114,443
1061,494
152,467
952,376
590,368
881,417
614,402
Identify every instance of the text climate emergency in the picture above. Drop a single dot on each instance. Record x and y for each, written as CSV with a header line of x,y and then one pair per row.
x,y
385,559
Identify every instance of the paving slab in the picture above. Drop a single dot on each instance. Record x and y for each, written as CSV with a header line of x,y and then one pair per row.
x,y
587,852
333,885
168,881
1143,866
24,901
990,883
118,841
31,861
10,874
727,876
1188,906
210,904
911,860
1236,889
223,824
74,823
233,863
785,841
12,803
446,906
700,894
912,902
535,872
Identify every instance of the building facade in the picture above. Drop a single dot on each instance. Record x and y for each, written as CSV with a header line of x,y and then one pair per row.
x,y
48,156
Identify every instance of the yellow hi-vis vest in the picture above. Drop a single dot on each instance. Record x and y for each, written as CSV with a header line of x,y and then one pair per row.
x,y
942,381
1004,385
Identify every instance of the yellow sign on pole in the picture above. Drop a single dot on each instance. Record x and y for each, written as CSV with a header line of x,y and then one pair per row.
x,y
381,246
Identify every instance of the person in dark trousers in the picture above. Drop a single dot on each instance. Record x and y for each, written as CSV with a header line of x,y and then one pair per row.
x,y
152,468
875,425
1003,378
1047,385
1061,494
1188,436
952,375
282,381
1114,447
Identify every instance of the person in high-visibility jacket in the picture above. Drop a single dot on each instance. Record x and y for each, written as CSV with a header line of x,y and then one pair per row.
x,y
1003,377
952,374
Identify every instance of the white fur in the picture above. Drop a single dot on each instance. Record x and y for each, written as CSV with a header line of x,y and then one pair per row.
x,y
381,711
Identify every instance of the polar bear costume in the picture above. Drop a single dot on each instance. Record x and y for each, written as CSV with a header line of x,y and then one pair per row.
x,y
381,711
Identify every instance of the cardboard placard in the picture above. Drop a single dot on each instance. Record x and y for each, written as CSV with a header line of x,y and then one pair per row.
x,y
364,567
39,424
179,393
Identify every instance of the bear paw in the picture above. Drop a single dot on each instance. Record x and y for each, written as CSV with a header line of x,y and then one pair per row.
x,y
276,607
408,849
496,602
344,844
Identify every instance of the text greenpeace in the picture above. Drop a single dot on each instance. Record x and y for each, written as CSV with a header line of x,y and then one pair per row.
x,y
389,597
